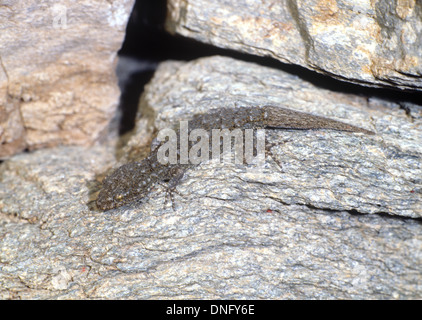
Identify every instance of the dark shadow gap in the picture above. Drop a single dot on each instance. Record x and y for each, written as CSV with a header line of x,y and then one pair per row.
x,y
356,213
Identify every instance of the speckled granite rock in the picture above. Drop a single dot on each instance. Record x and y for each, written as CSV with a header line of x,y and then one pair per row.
x,y
369,42
323,169
236,232
57,77
216,245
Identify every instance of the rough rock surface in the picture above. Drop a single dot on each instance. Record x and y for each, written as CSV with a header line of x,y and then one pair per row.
x,y
57,78
369,42
323,169
236,232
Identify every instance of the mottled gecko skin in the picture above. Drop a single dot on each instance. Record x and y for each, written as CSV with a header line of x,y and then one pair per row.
x,y
134,181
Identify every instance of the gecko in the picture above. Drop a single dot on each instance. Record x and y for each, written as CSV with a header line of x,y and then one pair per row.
x,y
134,181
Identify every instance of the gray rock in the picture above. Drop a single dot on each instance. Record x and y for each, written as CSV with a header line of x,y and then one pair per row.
x,y
237,231
320,168
222,244
368,42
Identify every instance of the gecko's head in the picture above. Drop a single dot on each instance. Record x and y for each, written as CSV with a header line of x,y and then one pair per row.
x,y
124,185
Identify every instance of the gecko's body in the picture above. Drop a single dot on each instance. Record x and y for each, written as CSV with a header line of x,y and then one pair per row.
x,y
134,181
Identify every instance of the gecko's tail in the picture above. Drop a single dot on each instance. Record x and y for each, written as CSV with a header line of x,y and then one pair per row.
x,y
279,117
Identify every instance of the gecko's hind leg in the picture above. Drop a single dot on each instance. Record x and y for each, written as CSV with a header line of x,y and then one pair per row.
x,y
268,149
170,192
170,196
171,185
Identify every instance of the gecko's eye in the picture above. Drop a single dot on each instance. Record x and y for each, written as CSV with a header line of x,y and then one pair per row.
x,y
119,197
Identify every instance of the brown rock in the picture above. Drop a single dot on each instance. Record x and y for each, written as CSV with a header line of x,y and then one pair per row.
x,y
57,79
